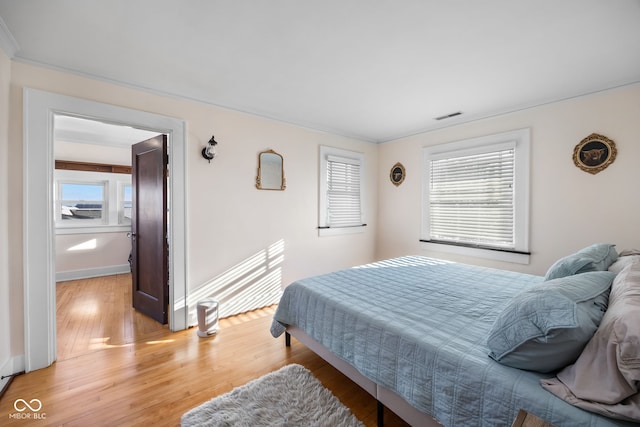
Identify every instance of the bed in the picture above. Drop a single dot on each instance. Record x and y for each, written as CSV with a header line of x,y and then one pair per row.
x,y
412,331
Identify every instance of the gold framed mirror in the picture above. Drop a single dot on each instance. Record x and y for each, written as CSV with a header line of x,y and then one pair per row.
x,y
270,171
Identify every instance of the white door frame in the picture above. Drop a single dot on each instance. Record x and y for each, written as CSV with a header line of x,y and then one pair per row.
x,y
38,210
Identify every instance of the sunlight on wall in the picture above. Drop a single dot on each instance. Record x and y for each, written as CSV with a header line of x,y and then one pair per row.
x,y
253,283
84,246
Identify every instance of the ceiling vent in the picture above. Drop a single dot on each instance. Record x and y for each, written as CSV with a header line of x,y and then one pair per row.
x,y
448,116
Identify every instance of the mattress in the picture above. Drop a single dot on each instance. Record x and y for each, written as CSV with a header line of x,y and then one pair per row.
x,y
418,326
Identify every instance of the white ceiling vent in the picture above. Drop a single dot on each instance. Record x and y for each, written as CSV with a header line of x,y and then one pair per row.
x,y
448,116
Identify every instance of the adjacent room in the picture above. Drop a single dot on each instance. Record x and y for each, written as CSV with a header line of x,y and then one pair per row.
x,y
419,212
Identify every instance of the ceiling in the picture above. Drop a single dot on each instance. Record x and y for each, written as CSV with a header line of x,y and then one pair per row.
x,y
372,70
81,130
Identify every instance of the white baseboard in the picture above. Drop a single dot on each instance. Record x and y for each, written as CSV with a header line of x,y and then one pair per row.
x,y
62,276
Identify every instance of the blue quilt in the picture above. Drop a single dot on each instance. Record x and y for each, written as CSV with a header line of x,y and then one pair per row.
x,y
418,326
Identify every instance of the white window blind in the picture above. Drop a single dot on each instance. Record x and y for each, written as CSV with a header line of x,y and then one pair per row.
x,y
343,192
471,199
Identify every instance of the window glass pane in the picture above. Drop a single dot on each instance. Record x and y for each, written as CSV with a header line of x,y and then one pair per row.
x,y
82,201
126,204
85,192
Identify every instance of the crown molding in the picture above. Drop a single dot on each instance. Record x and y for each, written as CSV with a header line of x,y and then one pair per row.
x,y
7,42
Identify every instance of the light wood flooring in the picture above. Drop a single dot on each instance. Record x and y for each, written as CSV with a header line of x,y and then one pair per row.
x,y
115,367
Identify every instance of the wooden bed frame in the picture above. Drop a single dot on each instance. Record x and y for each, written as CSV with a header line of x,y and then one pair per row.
x,y
384,396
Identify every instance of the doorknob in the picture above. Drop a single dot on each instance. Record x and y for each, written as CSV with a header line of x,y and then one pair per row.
x,y
131,236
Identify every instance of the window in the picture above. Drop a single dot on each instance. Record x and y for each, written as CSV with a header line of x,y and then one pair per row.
x,y
476,196
92,201
82,202
341,190
125,203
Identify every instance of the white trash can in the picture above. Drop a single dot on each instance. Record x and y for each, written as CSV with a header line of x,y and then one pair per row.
x,y
207,318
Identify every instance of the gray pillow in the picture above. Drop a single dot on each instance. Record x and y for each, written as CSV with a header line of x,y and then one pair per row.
x,y
568,266
545,327
602,255
597,257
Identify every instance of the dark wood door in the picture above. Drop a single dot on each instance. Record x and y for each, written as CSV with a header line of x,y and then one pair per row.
x,y
149,228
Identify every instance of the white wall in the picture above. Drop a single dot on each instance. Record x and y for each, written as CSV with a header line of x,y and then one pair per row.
x,y
229,221
6,367
570,208
91,255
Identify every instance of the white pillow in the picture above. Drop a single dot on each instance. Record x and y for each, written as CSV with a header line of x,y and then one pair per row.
x,y
622,262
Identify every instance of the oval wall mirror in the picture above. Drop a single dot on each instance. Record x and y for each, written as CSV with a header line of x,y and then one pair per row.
x,y
270,171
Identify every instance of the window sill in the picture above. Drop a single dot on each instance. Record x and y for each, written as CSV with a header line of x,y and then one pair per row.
x,y
496,255
94,229
341,230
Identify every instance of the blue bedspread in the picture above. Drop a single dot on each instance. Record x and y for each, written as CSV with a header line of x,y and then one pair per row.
x,y
418,326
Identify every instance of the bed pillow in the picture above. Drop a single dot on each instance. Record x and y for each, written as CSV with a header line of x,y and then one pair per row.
x,y
545,327
568,266
602,255
597,257
625,258
606,377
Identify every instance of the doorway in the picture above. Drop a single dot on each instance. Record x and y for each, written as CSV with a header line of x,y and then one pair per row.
x,y
39,263
93,235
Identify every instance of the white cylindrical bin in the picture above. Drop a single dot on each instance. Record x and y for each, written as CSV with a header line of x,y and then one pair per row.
x,y
207,318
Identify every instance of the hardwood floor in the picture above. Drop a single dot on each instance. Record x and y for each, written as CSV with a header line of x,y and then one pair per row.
x,y
117,367
96,313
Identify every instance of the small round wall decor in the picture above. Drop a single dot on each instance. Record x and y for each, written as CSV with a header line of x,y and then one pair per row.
x,y
397,174
594,153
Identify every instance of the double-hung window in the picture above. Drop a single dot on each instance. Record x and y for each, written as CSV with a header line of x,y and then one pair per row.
x,y
476,196
341,191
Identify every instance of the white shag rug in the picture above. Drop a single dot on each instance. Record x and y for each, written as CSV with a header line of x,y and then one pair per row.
x,y
290,396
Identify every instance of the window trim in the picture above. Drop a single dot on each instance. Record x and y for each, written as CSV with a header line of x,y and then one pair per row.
x,y
521,138
325,153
